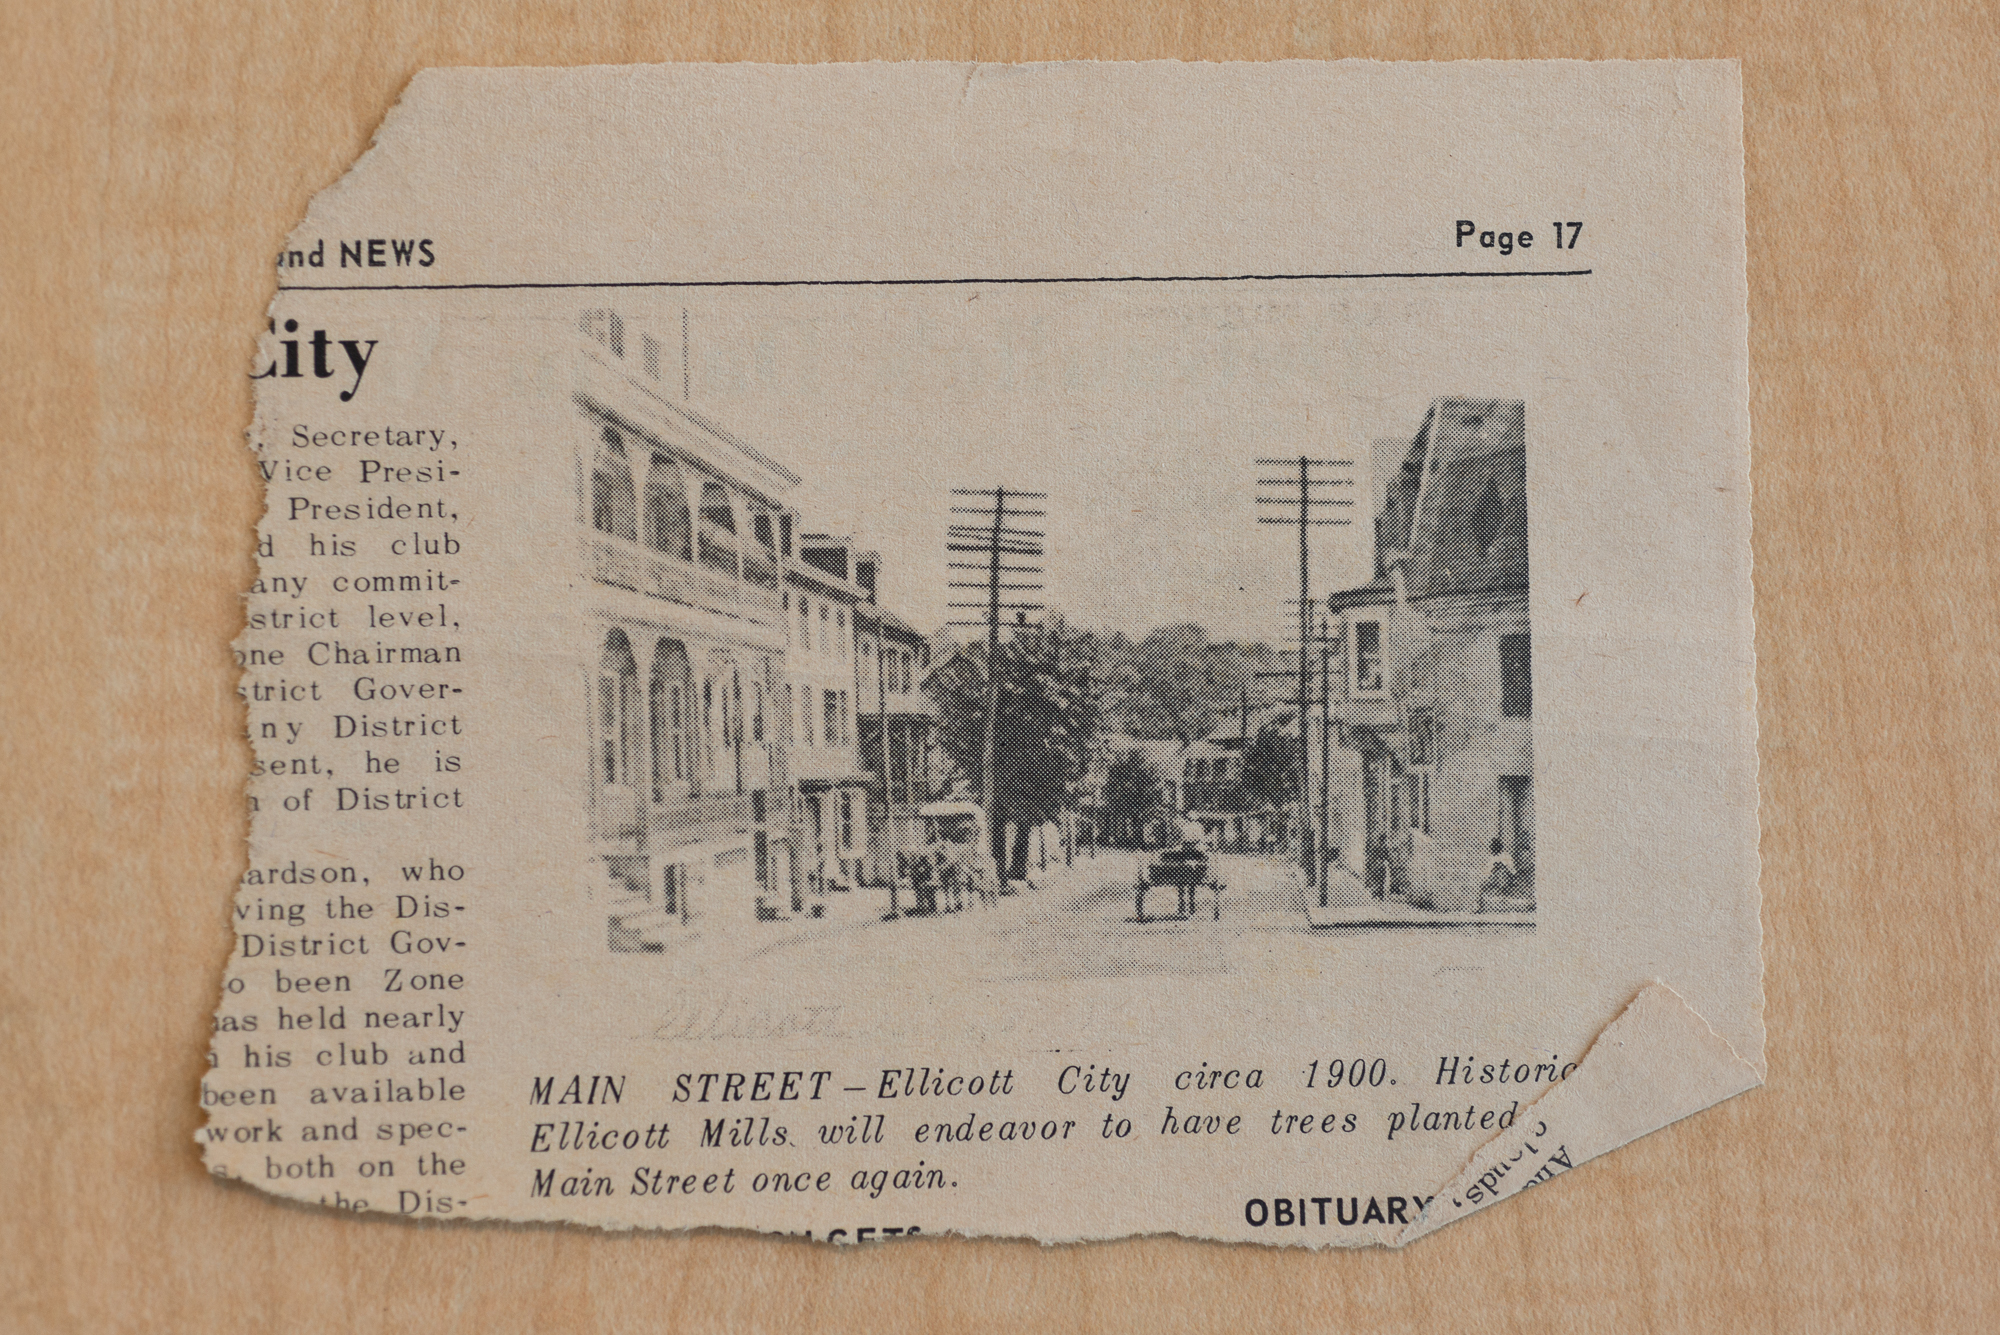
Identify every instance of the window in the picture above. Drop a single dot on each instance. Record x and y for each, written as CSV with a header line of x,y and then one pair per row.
x,y
760,555
669,701
868,671
805,624
1419,785
756,710
667,528
1517,821
708,725
805,716
651,348
832,707
617,699
613,509
607,328
847,820
846,719
1423,729
840,631
823,646
1367,667
1517,697
1488,518
717,536
732,726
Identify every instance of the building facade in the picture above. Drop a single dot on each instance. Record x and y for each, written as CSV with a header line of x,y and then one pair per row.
x,y
829,787
1233,818
897,725
1433,761
683,528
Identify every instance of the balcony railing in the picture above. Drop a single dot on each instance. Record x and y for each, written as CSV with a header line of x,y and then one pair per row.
x,y
626,565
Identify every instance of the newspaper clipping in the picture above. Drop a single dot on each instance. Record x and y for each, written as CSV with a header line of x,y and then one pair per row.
x,y
1062,651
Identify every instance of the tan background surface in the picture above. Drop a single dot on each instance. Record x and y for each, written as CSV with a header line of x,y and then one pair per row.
x,y
154,156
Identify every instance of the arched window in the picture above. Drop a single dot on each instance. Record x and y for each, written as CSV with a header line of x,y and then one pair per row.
x,y
613,508
668,528
617,706
760,554
717,535
670,704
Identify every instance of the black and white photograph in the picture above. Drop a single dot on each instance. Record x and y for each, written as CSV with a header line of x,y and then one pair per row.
x,y
934,678
1109,700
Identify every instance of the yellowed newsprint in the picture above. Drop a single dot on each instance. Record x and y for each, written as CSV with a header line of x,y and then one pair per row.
x,y
1061,651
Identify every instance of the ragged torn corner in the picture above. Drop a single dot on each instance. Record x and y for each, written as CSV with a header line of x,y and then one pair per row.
x,y
1058,651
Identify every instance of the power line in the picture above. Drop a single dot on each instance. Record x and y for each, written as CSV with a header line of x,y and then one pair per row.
x,y
1299,497
987,532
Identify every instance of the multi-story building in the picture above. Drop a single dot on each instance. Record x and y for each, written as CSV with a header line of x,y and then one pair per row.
x,y
683,538
1433,716
896,721
1214,793
830,789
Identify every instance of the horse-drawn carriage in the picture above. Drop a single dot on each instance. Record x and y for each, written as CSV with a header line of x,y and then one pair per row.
x,y
956,866
1185,871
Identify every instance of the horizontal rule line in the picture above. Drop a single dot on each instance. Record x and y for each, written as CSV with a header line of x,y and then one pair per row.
x,y
926,282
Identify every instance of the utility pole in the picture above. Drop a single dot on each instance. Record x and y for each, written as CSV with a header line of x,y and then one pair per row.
x,y
1308,826
1325,746
994,538
1316,507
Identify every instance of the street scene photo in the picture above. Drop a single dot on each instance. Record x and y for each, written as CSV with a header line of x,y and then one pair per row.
x,y
890,659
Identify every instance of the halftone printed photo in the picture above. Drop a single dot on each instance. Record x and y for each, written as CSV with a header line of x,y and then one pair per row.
x,y
1062,651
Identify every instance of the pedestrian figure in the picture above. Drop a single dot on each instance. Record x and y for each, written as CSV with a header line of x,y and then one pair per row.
x,y
923,886
1499,879
953,879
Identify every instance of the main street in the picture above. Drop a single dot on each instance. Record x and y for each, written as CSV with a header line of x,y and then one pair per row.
x,y
1063,957
1076,921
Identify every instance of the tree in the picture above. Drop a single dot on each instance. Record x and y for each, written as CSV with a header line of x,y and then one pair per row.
x,y
1047,725
1270,767
1177,683
1131,794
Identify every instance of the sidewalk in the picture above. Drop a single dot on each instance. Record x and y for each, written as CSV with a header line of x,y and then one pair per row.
x,y
1396,913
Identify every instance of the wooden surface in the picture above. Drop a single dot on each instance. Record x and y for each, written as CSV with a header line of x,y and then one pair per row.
x,y
155,154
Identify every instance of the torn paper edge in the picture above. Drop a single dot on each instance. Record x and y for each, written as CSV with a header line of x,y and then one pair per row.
x,y
1655,1064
